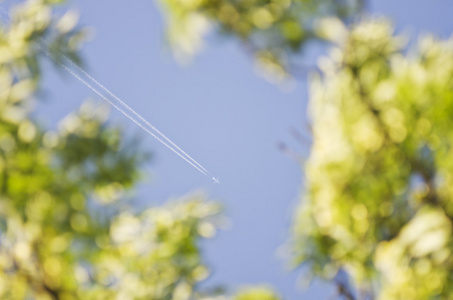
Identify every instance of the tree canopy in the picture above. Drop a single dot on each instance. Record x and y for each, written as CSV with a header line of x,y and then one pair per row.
x,y
377,191
377,197
274,31
65,229
378,194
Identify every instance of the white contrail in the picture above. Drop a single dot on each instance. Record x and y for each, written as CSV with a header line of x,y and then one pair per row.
x,y
124,105
121,106
123,112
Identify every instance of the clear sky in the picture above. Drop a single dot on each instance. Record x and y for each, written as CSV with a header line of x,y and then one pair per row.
x,y
221,113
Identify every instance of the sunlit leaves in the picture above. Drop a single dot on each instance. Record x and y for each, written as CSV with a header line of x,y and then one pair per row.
x,y
417,263
155,254
65,229
380,172
378,177
257,293
274,28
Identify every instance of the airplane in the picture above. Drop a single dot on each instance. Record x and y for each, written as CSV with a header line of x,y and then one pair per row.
x,y
216,180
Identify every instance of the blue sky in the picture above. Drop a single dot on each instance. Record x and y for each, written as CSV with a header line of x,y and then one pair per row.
x,y
220,112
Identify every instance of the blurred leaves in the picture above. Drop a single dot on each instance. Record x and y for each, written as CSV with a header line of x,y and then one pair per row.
x,y
378,200
271,30
379,175
30,29
257,293
65,229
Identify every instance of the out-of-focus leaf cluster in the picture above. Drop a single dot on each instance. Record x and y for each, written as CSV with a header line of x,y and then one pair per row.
x,y
379,176
380,172
153,255
64,232
271,29
257,293
29,28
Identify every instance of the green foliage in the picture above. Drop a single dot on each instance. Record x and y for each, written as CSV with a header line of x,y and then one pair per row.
x,y
380,171
379,176
271,29
65,232
257,293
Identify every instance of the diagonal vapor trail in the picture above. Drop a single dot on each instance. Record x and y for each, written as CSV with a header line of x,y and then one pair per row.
x,y
137,121
133,112
119,105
